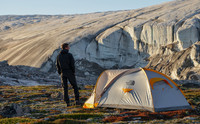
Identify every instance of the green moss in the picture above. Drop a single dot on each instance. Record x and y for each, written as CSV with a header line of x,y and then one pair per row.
x,y
16,120
193,96
85,91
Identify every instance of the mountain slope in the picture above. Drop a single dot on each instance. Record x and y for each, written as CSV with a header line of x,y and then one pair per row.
x,y
111,39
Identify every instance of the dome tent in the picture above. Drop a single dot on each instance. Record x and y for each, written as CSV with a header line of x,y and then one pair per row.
x,y
139,88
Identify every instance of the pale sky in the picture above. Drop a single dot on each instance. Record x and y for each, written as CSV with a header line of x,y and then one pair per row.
x,y
57,7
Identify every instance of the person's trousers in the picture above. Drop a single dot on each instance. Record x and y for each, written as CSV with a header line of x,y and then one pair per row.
x,y
72,80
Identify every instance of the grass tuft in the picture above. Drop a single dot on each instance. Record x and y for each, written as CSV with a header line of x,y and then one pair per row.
x,y
16,120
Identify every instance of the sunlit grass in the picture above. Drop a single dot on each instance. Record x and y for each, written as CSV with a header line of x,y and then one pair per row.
x,y
76,117
45,104
16,120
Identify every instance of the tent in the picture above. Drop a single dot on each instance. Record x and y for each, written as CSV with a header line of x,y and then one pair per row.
x,y
139,88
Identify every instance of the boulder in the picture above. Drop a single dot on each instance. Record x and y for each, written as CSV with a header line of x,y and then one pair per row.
x,y
8,111
14,110
18,109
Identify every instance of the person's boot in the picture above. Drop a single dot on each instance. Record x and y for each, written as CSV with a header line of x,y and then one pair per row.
x,y
68,104
78,102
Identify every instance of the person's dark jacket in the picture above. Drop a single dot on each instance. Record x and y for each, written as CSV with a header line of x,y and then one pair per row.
x,y
65,62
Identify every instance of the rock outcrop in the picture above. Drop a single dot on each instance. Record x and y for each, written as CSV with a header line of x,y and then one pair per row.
x,y
30,76
15,110
182,65
111,39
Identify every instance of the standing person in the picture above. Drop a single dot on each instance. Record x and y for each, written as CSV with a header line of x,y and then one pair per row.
x,y
66,69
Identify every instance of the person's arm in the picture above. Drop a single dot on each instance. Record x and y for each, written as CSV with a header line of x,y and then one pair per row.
x,y
58,65
72,63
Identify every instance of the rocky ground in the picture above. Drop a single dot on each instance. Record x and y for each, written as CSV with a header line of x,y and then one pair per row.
x,y
44,104
28,95
29,76
86,74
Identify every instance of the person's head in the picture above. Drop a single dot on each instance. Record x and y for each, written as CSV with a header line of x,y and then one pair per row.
x,y
65,46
